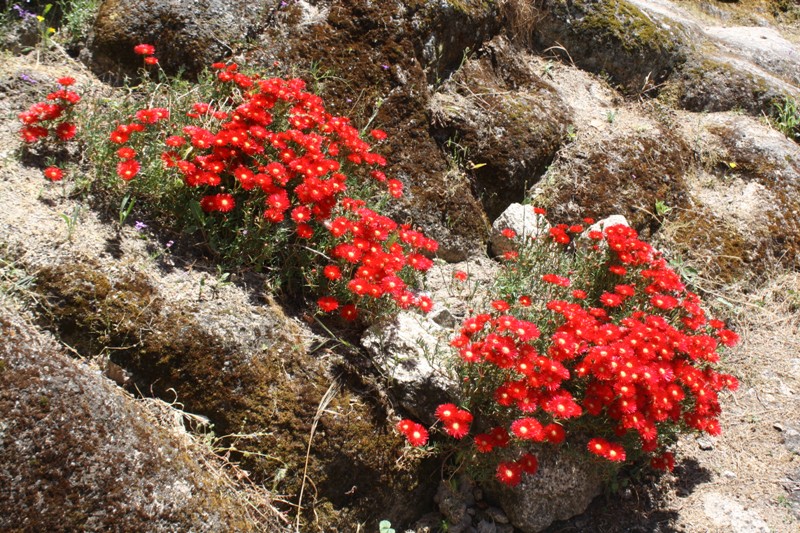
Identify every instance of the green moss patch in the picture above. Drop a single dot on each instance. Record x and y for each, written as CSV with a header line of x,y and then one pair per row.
x,y
271,396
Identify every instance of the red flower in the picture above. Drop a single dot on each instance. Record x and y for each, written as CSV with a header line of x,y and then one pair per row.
x,y
509,474
66,131
126,153
416,433
174,141
528,463
446,411
127,170
608,450
304,231
610,299
460,275
349,313
456,428
527,429
456,421
151,60
665,462
556,280
395,188
508,233
378,135
499,437
301,214
562,406
332,272
554,433
328,304
662,301
484,443
66,81
425,304
619,270
501,305
224,203
728,337
53,173
144,49
404,425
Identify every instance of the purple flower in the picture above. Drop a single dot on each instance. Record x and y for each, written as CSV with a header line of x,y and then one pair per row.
x,y
25,77
170,243
139,226
22,13
385,67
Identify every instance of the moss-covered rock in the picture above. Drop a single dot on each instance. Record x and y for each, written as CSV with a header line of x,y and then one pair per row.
x,y
714,85
187,36
501,122
78,454
622,172
256,382
709,243
610,36
748,151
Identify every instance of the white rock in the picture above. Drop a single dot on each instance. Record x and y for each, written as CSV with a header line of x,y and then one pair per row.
x,y
412,351
522,220
613,220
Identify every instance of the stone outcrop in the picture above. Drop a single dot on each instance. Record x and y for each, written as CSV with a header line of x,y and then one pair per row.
x,y
188,35
502,121
78,454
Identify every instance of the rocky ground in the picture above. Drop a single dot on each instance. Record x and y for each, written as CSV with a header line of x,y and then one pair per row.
x,y
587,107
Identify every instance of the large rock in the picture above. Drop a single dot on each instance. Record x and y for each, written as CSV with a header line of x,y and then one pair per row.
x,y
522,220
501,121
624,169
732,67
412,351
564,486
245,367
745,208
78,454
188,35
719,83
459,297
611,36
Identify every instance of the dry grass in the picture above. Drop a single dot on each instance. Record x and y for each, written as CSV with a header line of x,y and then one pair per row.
x,y
233,480
521,17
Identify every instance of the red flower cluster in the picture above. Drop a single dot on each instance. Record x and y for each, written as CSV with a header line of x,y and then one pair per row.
x,y
51,116
607,450
276,151
456,421
639,354
54,115
147,50
416,433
